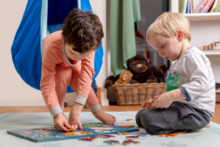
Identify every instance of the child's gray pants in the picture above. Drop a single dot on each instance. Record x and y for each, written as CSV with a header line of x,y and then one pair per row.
x,y
178,117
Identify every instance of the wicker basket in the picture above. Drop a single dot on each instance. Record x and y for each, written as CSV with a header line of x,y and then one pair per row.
x,y
135,94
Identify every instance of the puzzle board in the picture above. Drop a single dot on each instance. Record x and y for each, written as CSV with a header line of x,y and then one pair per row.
x,y
51,134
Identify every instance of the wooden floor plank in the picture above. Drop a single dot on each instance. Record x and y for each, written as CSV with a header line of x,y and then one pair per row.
x,y
215,119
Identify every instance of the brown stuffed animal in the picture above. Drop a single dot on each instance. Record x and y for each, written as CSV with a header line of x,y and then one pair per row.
x,y
124,77
109,81
143,72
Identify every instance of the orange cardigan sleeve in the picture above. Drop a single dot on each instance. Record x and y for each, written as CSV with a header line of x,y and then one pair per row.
x,y
47,85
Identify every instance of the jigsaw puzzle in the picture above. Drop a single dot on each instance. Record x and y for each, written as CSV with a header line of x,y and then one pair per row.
x,y
51,134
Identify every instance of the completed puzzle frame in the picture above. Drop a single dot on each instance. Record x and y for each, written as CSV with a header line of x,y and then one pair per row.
x,y
51,134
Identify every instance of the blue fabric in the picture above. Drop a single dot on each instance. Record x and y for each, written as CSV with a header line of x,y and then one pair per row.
x,y
186,94
94,87
26,47
166,74
54,28
58,10
85,5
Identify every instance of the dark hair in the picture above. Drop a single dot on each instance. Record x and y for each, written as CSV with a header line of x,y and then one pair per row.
x,y
83,30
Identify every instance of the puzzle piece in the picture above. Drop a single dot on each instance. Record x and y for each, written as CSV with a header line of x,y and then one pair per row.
x,y
26,132
146,103
70,134
89,138
98,131
52,134
95,137
85,133
59,136
127,126
122,133
72,129
130,141
171,135
112,142
107,131
106,136
168,135
85,139
143,134
137,137
78,133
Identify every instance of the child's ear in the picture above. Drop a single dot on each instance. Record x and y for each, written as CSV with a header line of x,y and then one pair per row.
x,y
62,37
179,35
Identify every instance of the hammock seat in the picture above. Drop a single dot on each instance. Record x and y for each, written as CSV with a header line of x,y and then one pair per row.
x,y
42,17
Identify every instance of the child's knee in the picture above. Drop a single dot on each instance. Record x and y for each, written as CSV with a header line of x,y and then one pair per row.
x,y
62,71
138,118
63,75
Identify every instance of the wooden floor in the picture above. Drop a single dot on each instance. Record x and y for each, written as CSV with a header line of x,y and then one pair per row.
x,y
215,119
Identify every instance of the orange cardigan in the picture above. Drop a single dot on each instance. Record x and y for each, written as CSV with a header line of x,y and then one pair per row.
x,y
53,56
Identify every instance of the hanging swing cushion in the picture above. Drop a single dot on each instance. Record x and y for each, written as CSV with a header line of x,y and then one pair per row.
x,y
26,49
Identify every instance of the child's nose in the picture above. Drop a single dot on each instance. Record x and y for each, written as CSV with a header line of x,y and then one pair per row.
x,y
161,53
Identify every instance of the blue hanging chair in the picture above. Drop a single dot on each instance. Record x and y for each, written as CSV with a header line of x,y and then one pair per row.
x,y
42,17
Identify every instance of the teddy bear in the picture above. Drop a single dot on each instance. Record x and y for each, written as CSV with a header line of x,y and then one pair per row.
x,y
143,72
124,77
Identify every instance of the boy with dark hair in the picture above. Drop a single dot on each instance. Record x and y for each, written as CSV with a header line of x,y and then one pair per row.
x,y
69,60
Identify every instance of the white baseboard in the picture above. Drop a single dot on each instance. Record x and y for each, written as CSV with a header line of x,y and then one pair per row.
x,y
105,101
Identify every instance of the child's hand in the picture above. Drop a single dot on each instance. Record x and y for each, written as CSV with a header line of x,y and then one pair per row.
x,y
74,121
61,122
162,101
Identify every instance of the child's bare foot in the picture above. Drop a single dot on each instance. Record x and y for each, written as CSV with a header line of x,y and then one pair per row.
x,y
104,117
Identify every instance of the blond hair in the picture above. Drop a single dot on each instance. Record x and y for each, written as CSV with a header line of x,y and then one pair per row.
x,y
168,24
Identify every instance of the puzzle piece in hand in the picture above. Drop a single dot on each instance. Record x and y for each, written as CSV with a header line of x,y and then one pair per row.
x,y
122,133
71,129
137,137
106,136
130,141
143,134
112,142
146,103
